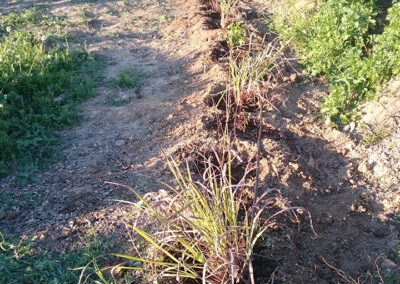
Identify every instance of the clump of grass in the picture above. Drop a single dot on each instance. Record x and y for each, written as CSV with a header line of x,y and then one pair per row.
x,y
85,14
336,39
40,89
129,79
226,7
206,232
248,69
376,136
20,262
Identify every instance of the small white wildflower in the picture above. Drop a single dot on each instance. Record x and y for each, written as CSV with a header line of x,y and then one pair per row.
x,y
48,56
5,96
1,106
43,37
303,15
8,29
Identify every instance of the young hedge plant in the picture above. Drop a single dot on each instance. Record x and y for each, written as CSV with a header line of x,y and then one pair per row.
x,y
206,232
225,7
247,70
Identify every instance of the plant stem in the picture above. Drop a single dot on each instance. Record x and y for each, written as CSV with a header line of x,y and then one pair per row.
x,y
253,210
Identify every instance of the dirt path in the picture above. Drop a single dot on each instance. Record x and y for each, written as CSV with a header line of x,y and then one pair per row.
x,y
116,140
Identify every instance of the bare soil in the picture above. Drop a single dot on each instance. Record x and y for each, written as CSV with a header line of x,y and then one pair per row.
x,y
351,190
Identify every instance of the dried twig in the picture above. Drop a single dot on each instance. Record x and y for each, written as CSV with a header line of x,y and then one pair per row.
x,y
253,210
341,273
379,271
273,275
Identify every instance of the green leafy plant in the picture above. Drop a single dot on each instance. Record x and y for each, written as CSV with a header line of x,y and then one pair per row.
x,y
129,79
336,39
40,89
85,14
30,17
236,35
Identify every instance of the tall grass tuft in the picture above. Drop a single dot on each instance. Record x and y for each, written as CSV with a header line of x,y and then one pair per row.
x,y
226,7
248,69
206,232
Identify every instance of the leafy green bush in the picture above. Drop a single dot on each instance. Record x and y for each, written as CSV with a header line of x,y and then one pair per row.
x,y
335,38
39,91
236,35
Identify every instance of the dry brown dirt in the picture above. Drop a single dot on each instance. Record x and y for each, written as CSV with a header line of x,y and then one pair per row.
x,y
327,171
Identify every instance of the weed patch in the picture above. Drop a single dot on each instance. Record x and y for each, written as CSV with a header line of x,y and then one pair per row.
x,y
129,79
378,135
31,17
337,39
21,263
40,89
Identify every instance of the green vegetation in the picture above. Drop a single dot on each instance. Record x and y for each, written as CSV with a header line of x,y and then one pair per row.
x,y
339,39
21,263
378,135
236,35
31,17
129,79
40,89
248,69
85,14
225,8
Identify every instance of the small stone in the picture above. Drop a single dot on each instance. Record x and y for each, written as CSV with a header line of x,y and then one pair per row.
x,y
119,143
294,166
293,78
379,169
65,232
349,127
362,209
78,189
363,168
59,98
125,99
328,121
